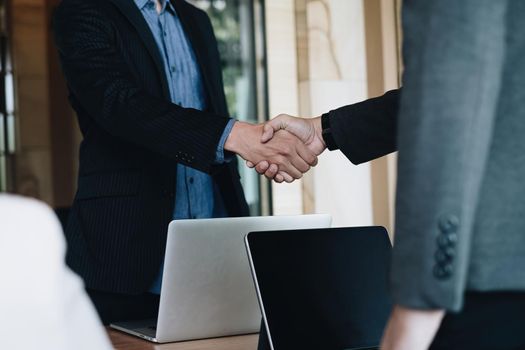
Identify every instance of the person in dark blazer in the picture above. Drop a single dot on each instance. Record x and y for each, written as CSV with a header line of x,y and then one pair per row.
x,y
145,81
458,267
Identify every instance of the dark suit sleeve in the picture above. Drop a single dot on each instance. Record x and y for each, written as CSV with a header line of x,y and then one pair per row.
x,y
103,83
367,130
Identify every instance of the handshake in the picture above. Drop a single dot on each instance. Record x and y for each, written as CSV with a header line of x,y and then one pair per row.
x,y
283,149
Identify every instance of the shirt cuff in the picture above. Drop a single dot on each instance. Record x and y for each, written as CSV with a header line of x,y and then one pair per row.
x,y
219,155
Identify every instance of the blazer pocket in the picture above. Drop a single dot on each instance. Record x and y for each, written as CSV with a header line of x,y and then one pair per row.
x,y
108,185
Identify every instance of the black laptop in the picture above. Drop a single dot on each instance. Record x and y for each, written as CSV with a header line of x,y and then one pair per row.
x,y
322,288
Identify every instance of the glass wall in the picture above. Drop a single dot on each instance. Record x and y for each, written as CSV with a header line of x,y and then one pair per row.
x,y
7,101
239,31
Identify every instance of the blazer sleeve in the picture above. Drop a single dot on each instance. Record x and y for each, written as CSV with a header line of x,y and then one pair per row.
x,y
454,52
367,130
102,82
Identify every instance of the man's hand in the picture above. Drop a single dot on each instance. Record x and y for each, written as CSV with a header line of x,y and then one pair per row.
x,y
409,329
309,131
284,150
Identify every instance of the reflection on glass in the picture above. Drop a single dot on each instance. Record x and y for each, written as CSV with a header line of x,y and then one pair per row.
x,y
6,96
233,23
9,93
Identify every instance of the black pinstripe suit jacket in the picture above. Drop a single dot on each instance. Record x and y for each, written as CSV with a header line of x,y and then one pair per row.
x,y
133,138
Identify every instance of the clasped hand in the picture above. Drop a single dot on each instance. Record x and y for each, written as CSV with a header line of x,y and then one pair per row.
x,y
283,149
280,153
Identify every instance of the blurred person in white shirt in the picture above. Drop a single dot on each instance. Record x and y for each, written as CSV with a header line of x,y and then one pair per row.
x,y
43,304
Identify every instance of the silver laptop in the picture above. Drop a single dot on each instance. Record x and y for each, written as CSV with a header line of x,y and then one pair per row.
x,y
207,288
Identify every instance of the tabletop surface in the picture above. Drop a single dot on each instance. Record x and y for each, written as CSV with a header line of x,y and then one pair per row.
x,y
122,341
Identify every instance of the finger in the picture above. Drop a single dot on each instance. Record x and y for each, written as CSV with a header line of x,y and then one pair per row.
x,y
249,164
298,163
306,154
272,171
287,166
278,178
262,167
286,177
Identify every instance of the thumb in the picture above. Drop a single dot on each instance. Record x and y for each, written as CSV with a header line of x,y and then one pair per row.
x,y
268,132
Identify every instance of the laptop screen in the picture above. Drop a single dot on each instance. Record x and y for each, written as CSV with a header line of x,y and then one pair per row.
x,y
323,288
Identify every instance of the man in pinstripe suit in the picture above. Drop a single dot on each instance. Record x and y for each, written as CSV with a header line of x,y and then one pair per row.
x,y
144,78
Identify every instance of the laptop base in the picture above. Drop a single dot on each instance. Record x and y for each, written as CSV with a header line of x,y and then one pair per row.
x,y
145,329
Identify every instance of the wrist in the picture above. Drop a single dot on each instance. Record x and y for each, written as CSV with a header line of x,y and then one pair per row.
x,y
318,129
233,139
239,139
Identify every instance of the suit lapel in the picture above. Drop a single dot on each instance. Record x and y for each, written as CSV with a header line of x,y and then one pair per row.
x,y
133,14
193,31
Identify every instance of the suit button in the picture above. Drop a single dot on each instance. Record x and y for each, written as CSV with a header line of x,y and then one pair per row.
x,y
441,257
448,223
442,272
450,253
452,239
447,240
445,255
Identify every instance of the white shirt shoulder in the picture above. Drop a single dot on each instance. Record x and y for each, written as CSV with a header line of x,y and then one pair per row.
x,y
43,304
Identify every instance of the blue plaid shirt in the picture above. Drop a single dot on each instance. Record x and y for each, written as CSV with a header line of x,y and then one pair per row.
x,y
197,195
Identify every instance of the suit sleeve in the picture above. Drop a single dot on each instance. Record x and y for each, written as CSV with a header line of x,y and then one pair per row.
x,y
454,52
105,87
367,130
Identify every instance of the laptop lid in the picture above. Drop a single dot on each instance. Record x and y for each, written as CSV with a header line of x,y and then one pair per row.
x,y
207,288
322,289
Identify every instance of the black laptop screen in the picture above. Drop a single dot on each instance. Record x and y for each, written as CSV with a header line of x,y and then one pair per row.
x,y
324,288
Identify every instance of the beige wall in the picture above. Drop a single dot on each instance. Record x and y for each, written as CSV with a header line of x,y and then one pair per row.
x,y
283,89
323,54
383,72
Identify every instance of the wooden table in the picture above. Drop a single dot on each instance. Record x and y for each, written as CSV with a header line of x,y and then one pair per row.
x,y
122,341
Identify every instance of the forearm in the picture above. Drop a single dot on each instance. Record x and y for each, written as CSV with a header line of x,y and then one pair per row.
x,y
411,329
367,130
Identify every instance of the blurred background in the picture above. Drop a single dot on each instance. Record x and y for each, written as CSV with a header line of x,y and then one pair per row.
x,y
301,57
